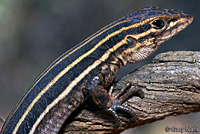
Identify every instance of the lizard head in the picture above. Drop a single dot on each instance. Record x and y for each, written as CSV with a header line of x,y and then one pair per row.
x,y
150,27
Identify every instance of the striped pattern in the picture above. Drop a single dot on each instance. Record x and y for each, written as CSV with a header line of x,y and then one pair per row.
x,y
71,69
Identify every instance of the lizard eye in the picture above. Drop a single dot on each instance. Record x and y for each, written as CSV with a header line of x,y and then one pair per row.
x,y
158,24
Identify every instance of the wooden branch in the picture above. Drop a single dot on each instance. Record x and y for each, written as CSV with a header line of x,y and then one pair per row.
x,y
171,84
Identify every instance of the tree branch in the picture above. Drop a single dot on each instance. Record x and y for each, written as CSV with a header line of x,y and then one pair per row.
x,y
171,84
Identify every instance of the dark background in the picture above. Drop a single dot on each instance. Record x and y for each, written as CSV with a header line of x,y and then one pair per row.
x,y
33,33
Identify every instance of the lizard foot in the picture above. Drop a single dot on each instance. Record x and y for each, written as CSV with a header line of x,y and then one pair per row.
x,y
119,98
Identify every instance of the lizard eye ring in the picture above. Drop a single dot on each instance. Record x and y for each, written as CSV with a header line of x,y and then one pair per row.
x,y
158,24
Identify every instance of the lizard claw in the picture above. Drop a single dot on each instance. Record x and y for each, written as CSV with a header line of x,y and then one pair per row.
x,y
119,98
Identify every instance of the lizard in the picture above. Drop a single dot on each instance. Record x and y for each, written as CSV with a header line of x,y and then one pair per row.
x,y
87,71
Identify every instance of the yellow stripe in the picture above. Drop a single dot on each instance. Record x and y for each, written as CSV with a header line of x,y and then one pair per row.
x,y
54,64
75,81
72,65
79,78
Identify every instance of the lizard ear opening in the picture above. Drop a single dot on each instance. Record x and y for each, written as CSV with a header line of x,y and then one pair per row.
x,y
131,41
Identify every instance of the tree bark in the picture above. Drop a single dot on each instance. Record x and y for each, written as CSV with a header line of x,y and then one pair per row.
x,y
171,85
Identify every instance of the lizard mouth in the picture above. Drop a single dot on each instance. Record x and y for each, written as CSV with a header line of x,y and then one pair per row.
x,y
176,26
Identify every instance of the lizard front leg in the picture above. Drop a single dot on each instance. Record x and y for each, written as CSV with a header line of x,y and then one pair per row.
x,y
108,102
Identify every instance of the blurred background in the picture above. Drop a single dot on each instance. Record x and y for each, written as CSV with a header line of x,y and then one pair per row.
x,y
33,33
